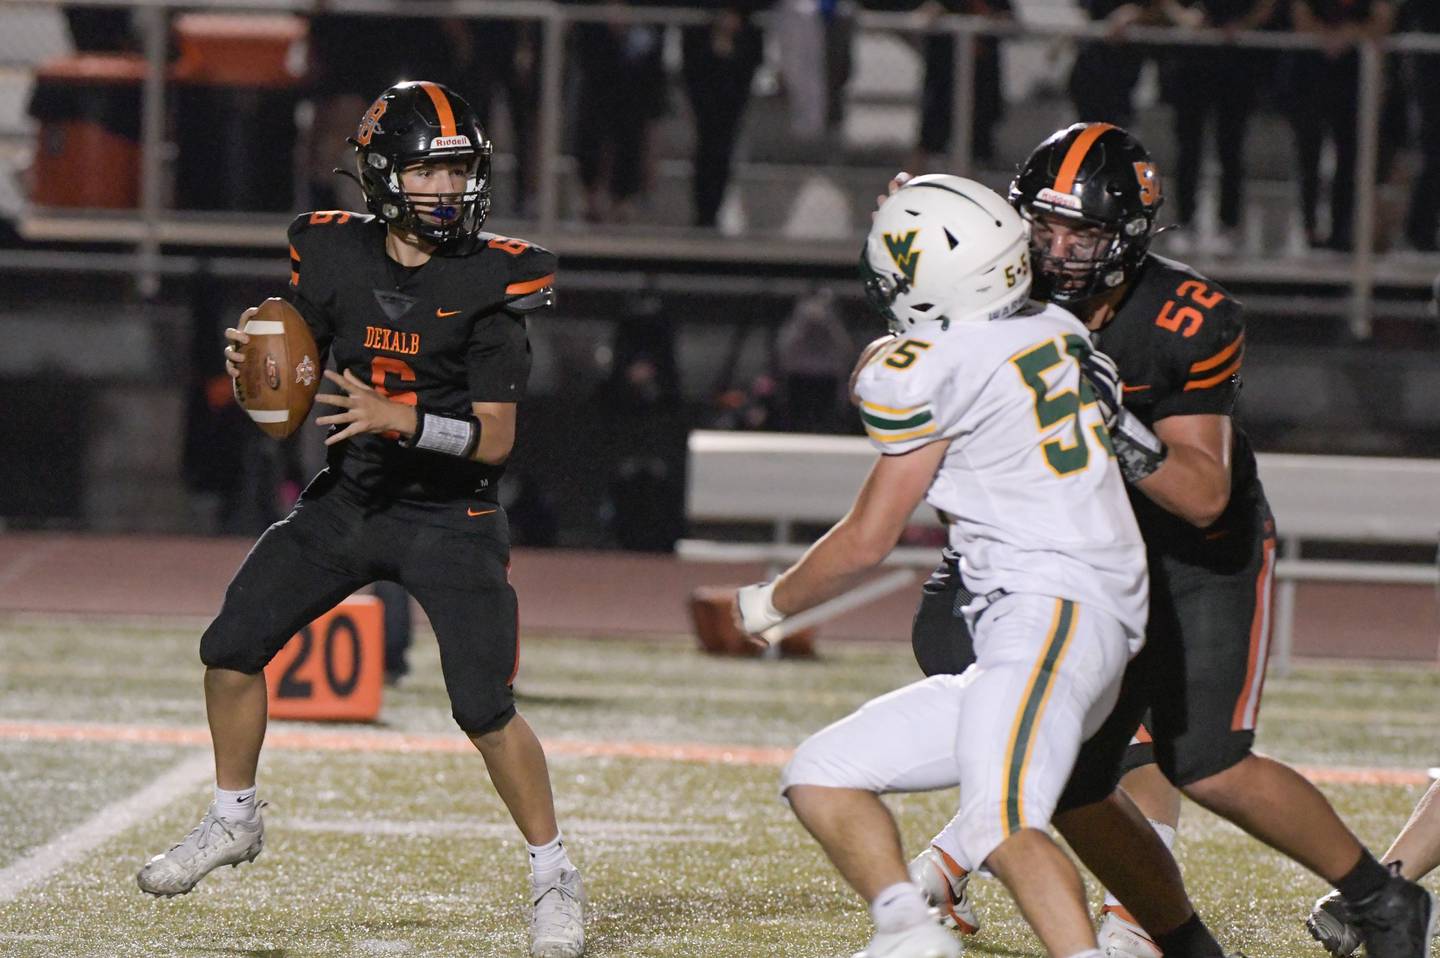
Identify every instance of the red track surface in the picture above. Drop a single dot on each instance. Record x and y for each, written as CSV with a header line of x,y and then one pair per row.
x,y
605,593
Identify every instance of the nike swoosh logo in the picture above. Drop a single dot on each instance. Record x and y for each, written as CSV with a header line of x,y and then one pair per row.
x,y
442,313
1135,389
483,512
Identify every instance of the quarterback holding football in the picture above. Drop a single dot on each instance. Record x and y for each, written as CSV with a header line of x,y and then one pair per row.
x,y
423,317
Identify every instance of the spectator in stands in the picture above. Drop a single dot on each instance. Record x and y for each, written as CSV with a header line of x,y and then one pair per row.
x,y
720,62
815,63
813,356
503,56
1324,88
1219,82
1103,77
937,97
644,505
622,93
750,409
352,59
1423,218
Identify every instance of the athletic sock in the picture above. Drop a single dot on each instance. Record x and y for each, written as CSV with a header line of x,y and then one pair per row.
x,y
1167,835
1364,880
547,861
235,806
1191,940
899,907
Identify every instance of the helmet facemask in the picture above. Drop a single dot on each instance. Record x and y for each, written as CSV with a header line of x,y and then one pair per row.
x,y
1094,261
881,291
433,216
1097,183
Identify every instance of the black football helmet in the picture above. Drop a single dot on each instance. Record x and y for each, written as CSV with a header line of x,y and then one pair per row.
x,y
1098,176
416,122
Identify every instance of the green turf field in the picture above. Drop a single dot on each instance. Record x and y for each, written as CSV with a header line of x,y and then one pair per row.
x,y
373,852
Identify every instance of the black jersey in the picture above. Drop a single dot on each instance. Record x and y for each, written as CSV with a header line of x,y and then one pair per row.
x,y
439,336
1179,341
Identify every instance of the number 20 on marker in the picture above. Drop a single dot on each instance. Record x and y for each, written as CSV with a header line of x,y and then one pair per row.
x,y
333,670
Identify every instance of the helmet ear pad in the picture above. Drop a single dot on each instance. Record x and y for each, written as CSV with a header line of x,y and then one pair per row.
x,y
418,122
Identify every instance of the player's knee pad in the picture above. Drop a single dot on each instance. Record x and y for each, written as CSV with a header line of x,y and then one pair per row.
x,y
481,714
1194,758
233,642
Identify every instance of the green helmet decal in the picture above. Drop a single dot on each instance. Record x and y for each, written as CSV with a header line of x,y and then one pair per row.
x,y
899,247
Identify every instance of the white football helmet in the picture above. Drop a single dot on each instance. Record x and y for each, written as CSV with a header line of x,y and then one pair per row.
x,y
944,249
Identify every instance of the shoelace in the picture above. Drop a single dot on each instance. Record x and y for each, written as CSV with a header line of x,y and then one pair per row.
x,y
204,840
552,918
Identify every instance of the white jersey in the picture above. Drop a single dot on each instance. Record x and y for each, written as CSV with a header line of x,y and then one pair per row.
x,y
1029,481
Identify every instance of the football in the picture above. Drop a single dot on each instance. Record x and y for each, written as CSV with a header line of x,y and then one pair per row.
x,y
712,611
281,372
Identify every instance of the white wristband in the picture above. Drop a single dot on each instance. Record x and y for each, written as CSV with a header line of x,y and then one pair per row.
x,y
442,434
757,608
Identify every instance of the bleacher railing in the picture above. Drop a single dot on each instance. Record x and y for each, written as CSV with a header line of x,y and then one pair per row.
x,y
149,228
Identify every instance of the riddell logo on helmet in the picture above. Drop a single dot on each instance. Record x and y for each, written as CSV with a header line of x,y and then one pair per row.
x,y
1057,198
446,142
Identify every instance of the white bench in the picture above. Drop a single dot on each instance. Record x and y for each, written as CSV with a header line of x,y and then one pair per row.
x,y
784,479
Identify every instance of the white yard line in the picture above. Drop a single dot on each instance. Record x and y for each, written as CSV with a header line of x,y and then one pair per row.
x,y
48,859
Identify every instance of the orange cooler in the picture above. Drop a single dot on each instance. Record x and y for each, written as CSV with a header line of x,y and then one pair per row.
x,y
88,150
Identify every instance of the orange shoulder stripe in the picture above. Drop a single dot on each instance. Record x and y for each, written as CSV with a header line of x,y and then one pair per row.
x,y
1218,358
1216,379
1065,179
530,285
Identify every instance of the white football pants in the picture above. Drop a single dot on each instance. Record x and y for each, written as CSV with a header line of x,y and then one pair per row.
x,y
1047,673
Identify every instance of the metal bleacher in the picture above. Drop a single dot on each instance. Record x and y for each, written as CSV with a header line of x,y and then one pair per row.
x,y
792,205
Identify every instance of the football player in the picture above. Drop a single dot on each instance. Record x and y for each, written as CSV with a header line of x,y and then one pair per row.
x,y
424,317
1091,194
979,407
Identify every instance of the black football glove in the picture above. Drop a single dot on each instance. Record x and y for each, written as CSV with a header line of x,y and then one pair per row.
x,y
1138,450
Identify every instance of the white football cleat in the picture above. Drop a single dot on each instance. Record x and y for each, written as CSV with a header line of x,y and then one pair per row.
x,y
557,922
214,842
945,885
1122,938
925,940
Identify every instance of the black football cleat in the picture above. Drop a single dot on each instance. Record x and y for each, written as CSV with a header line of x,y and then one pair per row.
x,y
1397,921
